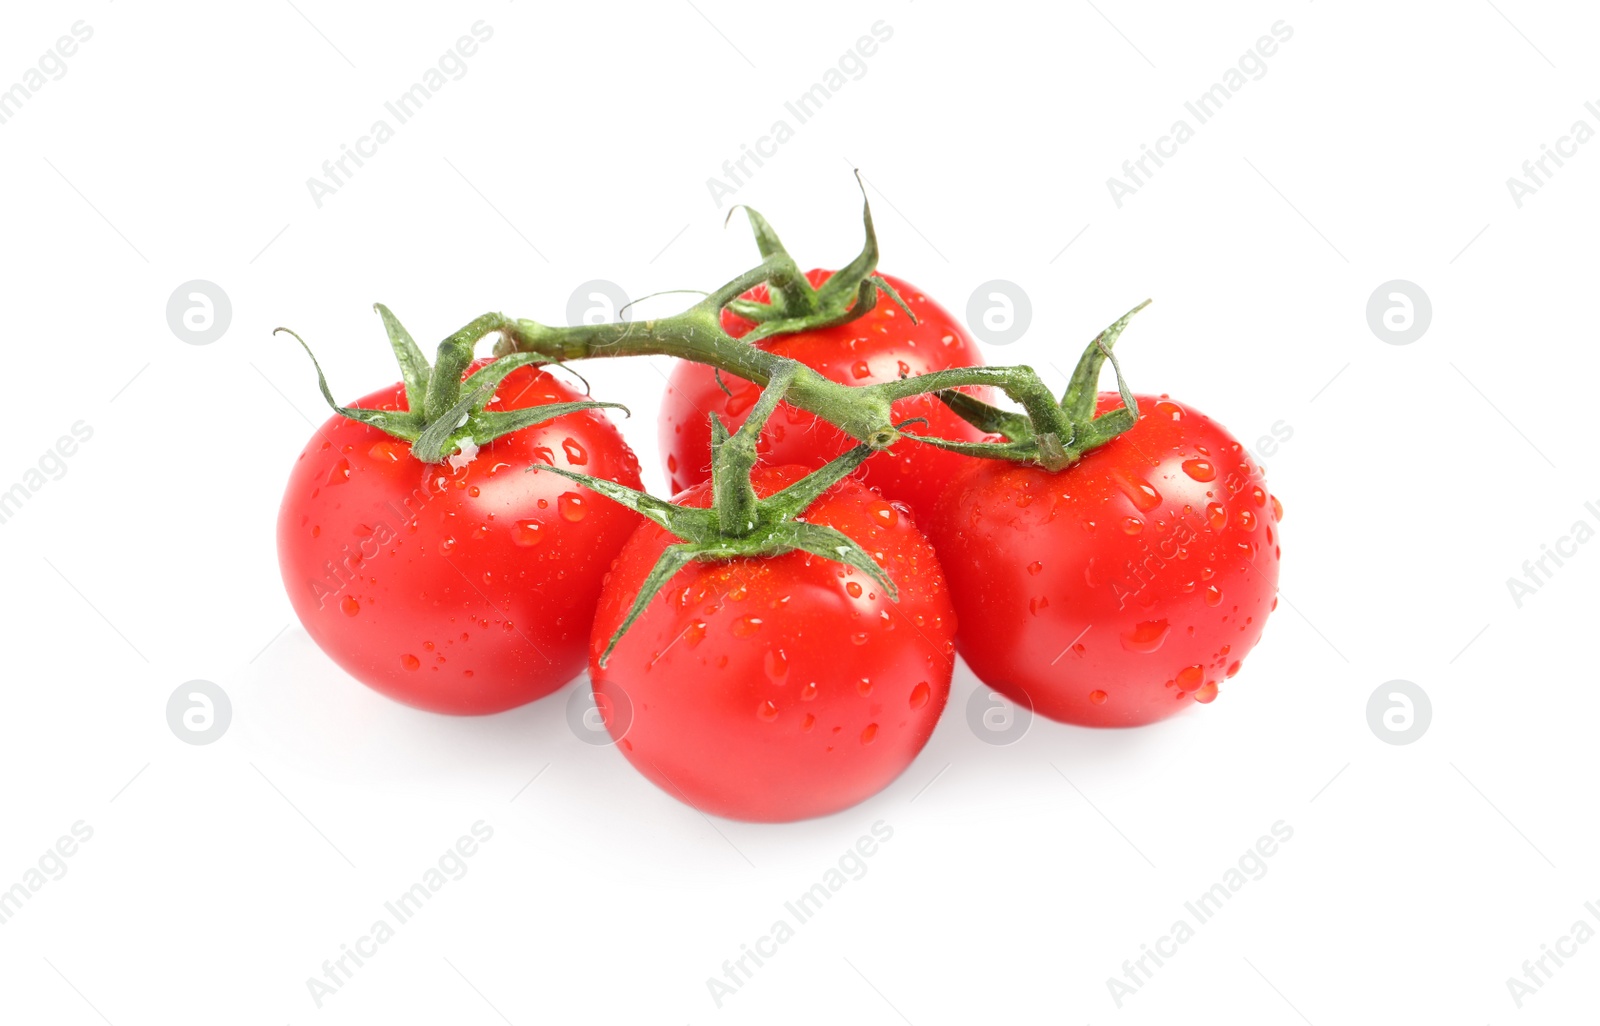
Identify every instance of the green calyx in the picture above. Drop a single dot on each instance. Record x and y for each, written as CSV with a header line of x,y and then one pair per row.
x,y
739,524
1053,434
793,304
445,414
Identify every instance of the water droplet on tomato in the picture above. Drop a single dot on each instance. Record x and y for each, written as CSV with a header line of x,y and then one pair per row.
x,y
809,722
1217,516
410,662
1190,677
746,626
350,606
776,664
860,638
1140,492
869,733
883,514
1213,595
577,455
1245,519
1035,568
1132,525
808,692
340,472
853,589
920,695
527,533
1097,697
573,508
1169,409
1200,470
1147,636
1277,509
1207,692
447,545
767,711
861,370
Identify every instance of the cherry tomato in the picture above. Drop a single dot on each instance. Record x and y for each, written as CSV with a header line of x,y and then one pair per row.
x,y
458,589
881,345
778,688
1124,588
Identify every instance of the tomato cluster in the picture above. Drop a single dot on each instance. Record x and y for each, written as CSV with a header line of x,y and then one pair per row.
x,y
1114,591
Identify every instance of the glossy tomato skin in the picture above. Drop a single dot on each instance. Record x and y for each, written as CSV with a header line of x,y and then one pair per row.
x,y
1123,589
781,688
463,591
881,345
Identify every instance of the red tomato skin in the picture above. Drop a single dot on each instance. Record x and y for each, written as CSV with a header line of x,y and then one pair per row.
x,y
463,591
744,678
882,345
1098,602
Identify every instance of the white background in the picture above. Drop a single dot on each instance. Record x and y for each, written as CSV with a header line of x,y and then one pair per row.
x,y
1417,480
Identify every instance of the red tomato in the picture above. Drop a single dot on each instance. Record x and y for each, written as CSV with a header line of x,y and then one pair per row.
x,y
881,345
466,590
785,687
1124,588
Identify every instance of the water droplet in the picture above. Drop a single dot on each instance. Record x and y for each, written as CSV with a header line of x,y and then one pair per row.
x,y
1217,516
1132,525
410,662
1097,697
1213,595
1139,491
809,722
447,545
1200,470
340,472
808,692
1169,409
767,711
1233,667
1035,568
860,637
350,606
527,533
1147,636
573,508
1190,677
1207,692
1277,509
869,733
776,664
861,370
883,514
672,464
1246,520
920,695
853,589
746,626
864,685
577,455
